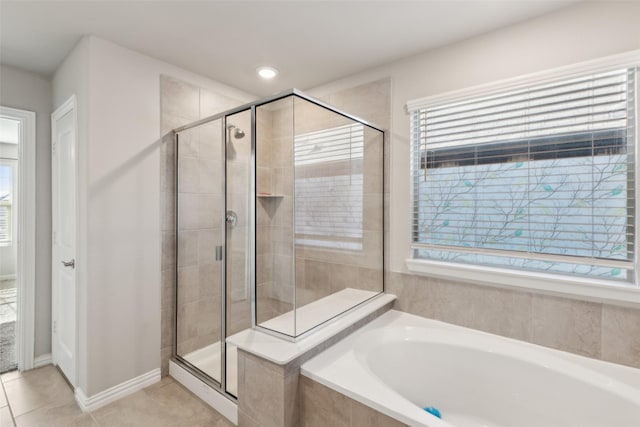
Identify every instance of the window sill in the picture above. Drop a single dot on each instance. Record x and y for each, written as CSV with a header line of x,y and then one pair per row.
x,y
588,289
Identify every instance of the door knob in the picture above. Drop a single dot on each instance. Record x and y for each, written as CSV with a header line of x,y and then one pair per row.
x,y
71,263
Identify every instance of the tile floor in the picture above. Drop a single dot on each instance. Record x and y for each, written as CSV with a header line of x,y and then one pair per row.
x,y
41,397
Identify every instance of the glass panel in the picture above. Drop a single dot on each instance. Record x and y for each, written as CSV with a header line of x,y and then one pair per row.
x,y
238,295
338,213
275,284
200,232
319,214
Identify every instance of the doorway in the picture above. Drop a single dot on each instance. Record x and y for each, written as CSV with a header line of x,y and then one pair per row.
x,y
17,238
9,140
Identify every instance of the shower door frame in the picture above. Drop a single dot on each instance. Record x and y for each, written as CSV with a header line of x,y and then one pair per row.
x,y
220,386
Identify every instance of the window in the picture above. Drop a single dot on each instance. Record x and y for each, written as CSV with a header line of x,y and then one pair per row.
x,y
6,199
329,187
540,178
9,136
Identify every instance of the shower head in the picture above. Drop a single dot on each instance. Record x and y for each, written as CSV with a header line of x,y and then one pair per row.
x,y
238,133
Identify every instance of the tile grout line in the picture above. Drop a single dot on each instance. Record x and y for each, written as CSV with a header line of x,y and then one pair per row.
x,y
45,405
13,420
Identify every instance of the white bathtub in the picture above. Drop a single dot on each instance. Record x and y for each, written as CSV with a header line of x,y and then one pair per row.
x,y
400,363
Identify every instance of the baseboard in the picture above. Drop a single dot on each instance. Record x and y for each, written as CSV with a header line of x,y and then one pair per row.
x,y
212,397
116,392
42,360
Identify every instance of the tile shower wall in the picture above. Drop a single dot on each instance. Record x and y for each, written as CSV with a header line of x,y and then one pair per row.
x,y
597,330
183,103
372,103
321,406
274,209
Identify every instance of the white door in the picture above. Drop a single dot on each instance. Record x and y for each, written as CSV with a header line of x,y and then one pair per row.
x,y
63,275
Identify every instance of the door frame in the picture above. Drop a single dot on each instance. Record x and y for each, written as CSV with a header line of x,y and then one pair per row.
x,y
70,105
26,240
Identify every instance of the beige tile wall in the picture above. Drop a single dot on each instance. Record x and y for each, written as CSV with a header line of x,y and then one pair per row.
x,y
269,395
322,406
597,330
183,103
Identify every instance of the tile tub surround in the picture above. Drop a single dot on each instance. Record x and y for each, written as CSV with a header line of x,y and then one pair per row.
x,y
268,392
598,330
321,406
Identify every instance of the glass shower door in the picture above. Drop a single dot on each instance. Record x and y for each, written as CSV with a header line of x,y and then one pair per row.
x,y
200,242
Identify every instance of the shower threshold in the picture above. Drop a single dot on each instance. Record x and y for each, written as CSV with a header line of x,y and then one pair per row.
x,y
208,360
212,396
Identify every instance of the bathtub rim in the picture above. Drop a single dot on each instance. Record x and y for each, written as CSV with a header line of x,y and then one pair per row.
x,y
356,381
510,348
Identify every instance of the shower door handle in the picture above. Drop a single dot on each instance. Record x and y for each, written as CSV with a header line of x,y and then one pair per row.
x,y
218,253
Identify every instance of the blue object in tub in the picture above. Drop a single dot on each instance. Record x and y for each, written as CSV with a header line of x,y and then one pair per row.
x,y
433,411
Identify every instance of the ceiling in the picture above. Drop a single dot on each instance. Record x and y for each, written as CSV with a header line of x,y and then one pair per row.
x,y
309,42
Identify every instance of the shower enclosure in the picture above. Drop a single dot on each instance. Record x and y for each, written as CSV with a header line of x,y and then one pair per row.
x,y
279,226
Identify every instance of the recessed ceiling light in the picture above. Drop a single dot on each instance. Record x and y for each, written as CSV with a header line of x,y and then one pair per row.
x,y
267,73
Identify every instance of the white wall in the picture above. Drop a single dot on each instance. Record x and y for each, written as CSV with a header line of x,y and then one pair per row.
x,y
574,34
28,91
72,78
123,235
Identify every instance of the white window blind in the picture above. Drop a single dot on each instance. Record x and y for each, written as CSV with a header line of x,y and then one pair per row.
x,y
5,222
540,178
329,187
6,193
